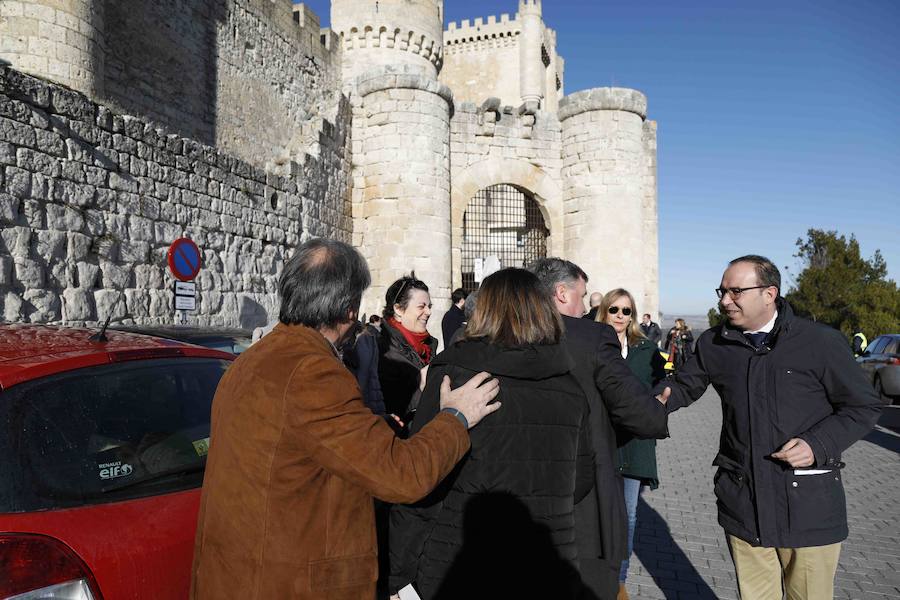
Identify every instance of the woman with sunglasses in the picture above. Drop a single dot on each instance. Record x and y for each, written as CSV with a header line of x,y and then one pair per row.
x,y
404,345
637,458
679,343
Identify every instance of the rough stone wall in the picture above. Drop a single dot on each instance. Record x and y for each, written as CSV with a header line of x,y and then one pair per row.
x,y
401,188
650,207
253,77
604,173
279,77
91,199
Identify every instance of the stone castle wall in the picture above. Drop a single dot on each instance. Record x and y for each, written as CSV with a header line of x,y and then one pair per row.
x,y
493,144
253,77
401,190
483,59
90,200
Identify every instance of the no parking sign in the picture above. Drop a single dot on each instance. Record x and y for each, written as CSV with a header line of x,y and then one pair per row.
x,y
184,259
184,262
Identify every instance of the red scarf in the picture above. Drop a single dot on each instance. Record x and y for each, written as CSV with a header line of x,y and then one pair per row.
x,y
418,341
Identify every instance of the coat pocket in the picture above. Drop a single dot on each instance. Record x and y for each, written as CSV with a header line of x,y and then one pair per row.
x,y
346,571
732,489
816,501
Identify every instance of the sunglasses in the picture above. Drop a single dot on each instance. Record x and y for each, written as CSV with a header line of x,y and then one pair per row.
x,y
615,309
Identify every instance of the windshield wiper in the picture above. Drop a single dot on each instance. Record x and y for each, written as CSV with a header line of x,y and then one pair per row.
x,y
174,472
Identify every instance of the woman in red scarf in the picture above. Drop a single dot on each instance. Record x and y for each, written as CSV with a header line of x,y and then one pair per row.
x,y
405,346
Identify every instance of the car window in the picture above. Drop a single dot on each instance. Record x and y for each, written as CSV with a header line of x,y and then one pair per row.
x,y
878,345
106,433
891,347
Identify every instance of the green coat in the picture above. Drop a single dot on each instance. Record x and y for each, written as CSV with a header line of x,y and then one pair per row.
x,y
637,458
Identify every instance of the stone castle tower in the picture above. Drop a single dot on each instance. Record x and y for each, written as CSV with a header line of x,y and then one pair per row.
x,y
249,128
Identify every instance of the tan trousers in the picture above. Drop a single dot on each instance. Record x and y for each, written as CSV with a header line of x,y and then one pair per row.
x,y
778,573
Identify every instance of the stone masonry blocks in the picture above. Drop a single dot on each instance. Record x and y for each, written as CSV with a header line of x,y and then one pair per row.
x,y
76,230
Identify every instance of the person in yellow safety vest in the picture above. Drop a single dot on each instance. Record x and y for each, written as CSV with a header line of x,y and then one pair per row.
x,y
859,343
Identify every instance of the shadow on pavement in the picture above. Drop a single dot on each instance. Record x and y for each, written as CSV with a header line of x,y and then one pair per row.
x,y
888,441
664,560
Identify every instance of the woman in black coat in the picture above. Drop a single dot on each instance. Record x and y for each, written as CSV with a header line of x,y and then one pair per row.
x,y
405,347
501,525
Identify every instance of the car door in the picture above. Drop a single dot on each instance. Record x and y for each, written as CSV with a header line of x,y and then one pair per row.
x,y
869,359
109,461
886,354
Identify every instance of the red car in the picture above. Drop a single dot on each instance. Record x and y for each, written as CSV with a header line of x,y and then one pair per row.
x,y
102,449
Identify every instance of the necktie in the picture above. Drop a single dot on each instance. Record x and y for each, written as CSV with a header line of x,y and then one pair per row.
x,y
757,339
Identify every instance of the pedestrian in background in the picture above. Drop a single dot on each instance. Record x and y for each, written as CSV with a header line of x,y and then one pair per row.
x,y
594,302
295,456
455,317
793,400
679,343
502,524
650,329
637,458
360,354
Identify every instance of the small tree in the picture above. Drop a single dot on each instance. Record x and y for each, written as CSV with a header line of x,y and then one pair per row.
x,y
840,288
715,316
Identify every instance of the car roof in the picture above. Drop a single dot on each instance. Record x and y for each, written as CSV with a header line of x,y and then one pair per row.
x,y
29,351
177,332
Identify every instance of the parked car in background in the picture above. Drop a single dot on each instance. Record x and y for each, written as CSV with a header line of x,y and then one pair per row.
x,y
881,362
233,341
103,445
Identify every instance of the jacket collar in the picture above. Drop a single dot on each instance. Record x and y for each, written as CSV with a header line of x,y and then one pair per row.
x,y
307,333
783,326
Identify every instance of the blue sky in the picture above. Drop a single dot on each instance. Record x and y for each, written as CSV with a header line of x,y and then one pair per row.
x,y
774,117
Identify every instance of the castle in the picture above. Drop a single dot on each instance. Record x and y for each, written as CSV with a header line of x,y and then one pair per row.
x,y
245,126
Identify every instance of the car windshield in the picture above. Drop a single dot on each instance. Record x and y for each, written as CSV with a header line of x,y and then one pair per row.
x,y
106,433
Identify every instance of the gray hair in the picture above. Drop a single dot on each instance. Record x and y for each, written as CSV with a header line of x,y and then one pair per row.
x,y
553,271
322,283
767,273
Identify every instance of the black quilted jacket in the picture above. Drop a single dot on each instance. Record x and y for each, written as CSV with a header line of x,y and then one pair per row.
x,y
504,517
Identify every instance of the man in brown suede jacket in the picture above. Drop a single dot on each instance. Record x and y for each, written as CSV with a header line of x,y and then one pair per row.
x,y
296,457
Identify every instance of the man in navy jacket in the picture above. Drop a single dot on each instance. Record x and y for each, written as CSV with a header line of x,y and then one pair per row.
x,y
793,399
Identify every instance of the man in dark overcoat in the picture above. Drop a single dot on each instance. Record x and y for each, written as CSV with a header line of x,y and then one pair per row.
x,y
793,399
618,402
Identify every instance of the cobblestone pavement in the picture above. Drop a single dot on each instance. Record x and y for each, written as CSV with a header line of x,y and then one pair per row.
x,y
680,550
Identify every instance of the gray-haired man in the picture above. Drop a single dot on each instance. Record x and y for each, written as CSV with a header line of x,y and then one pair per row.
x,y
619,403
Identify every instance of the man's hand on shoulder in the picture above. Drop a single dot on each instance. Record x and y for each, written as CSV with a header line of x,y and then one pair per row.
x,y
472,399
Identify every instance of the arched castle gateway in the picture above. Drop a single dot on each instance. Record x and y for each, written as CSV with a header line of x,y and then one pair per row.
x,y
248,128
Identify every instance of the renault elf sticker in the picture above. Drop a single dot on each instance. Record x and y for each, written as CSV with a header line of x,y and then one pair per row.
x,y
111,470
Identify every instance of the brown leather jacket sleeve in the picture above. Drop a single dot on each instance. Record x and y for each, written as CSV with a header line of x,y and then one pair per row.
x,y
326,417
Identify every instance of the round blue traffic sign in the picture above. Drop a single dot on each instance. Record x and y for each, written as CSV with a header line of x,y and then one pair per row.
x,y
184,259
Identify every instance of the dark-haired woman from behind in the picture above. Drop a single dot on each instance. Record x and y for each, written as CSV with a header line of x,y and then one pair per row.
x,y
501,525
405,347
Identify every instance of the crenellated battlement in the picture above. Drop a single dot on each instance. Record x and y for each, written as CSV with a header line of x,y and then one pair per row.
x,y
530,7
502,28
309,26
404,40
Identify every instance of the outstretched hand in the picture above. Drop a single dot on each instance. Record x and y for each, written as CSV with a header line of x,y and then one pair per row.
x,y
664,397
472,399
797,453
